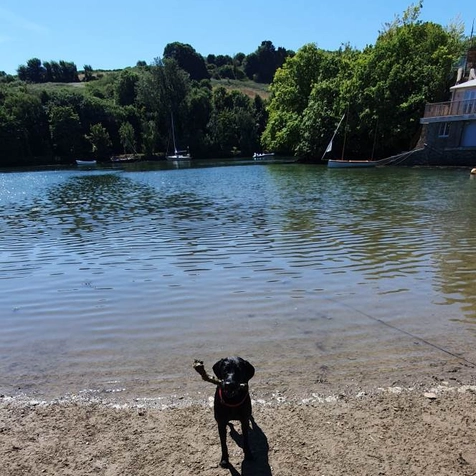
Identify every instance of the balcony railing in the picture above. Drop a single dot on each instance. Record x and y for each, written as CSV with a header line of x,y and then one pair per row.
x,y
450,108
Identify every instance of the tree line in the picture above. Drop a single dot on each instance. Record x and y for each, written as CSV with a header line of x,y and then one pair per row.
x,y
130,111
382,89
50,71
258,66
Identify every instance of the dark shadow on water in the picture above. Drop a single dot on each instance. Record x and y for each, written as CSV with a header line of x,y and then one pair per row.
x,y
259,466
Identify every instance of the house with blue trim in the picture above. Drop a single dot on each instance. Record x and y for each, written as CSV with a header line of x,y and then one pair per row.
x,y
448,134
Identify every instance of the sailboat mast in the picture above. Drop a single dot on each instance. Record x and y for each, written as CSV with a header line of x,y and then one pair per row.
x,y
345,133
375,140
329,146
173,132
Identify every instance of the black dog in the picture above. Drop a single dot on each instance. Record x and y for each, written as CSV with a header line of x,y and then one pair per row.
x,y
232,400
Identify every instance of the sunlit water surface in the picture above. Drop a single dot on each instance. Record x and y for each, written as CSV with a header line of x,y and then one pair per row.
x,y
114,280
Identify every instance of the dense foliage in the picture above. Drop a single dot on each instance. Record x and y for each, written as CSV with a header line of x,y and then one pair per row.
x,y
126,112
43,115
50,71
382,90
49,110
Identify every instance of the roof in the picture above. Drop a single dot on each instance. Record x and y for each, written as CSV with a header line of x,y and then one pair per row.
x,y
468,84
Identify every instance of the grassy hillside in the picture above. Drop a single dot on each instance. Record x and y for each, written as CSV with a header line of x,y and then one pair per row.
x,y
248,87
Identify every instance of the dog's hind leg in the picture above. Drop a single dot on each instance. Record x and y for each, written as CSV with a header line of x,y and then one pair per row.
x,y
245,425
224,450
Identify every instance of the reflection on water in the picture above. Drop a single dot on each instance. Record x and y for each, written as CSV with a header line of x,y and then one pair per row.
x,y
127,275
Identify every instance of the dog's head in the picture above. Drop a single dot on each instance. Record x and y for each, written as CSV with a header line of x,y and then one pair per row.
x,y
234,372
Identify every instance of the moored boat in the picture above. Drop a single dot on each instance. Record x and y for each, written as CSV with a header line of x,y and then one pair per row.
x,y
343,163
178,154
86,162
263,155
122,159
346,163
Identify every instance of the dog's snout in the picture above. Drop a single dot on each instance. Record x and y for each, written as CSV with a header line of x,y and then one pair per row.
x,y
230,387
230,384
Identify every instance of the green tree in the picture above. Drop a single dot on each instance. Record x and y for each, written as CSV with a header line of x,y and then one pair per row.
x,y
99,140
69,72
263,63
291,93
223,60
52,71
232,123
411,64
199,110
31,123
88,73
127,136
161,92
6,78
238,59
383,90
165,85
12,143
149,138
33,72
125,87
66,132
188,59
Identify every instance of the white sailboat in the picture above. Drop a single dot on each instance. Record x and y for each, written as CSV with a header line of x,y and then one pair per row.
x,y
345,163
178,154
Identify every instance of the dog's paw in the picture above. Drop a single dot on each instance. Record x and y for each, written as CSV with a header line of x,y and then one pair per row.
x,y
198,366
224,463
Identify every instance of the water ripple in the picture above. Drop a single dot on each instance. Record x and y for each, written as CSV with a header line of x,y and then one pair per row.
x,y
110,268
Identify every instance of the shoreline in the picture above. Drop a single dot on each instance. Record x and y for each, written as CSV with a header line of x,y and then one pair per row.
x,y
424,430
205,399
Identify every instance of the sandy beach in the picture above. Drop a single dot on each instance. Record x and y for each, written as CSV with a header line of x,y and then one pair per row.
x,y
427,428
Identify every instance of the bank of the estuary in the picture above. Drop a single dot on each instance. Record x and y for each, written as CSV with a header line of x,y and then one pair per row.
x,y
423,430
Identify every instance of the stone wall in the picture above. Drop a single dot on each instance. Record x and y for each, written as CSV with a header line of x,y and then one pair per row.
x,y
442,151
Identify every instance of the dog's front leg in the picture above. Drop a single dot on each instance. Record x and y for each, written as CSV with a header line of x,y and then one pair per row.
x,y
246,443
224,450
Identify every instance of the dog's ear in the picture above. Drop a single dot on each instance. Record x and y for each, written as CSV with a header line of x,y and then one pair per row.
x,y
217,368
249,370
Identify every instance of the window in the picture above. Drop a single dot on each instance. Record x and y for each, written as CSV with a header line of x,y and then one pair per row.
x,y
469,102
444,129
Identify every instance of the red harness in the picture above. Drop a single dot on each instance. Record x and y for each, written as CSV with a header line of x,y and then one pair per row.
x,y
231,405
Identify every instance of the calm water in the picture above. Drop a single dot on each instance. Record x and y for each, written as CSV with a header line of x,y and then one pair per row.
x,y
114,280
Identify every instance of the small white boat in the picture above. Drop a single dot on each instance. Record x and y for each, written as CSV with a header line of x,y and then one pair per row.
x,y
179,155
263,155
343,163
86,162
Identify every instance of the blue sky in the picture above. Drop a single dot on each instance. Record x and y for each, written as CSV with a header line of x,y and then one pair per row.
x,y
114,35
